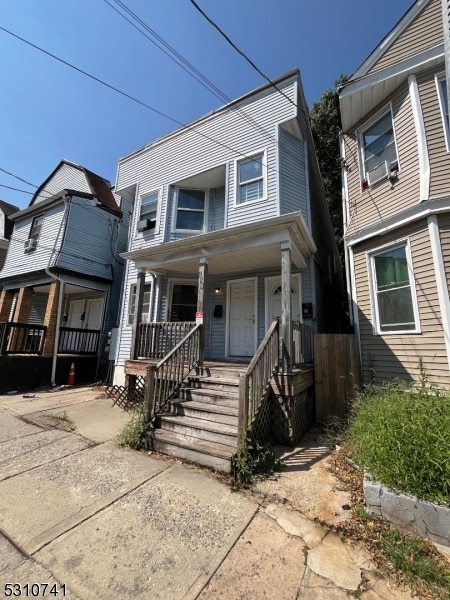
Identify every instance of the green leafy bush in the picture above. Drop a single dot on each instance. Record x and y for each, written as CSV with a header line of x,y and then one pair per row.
x,y
402,437
134,432
253,458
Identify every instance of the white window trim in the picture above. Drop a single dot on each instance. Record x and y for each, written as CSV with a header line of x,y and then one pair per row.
x,y
438,79
359,133
34,219
373,287
170,283
237,204
148,280
158,211
205,213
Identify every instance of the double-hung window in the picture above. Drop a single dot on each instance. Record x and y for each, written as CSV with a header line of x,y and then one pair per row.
x,y
250,179
443,99
393,291
145,317
36,227
378,149
191,206
148,216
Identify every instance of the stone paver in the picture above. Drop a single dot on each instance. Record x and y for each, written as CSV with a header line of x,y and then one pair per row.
x,y
296,524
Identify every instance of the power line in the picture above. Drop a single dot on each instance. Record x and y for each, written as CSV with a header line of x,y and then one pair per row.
x,y
15,176
239,51
8,187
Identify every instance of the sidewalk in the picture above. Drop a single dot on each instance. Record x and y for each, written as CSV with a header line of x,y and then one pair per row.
x,y
113,523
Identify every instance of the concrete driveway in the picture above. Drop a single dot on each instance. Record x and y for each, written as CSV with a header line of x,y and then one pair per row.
x,y
97,522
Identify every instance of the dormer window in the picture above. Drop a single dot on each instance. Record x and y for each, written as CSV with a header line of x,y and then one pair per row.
x,y
250,179
148,216
379,155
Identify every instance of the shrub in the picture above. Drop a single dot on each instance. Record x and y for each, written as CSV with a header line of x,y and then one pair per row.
x,y
134,432
253,458
402,437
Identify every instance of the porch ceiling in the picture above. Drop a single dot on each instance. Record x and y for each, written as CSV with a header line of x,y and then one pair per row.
x,y
246,248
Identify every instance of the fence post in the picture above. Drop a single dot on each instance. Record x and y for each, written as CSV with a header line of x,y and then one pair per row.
x,y
243,407
149,392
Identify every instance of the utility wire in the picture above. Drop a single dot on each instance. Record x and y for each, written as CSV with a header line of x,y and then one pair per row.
x,y
8,187
239,51
16,177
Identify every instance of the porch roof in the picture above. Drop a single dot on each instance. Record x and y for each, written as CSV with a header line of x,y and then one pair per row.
x,y
243,248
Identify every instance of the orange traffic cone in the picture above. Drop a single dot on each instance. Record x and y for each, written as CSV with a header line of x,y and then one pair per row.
x,y
71,378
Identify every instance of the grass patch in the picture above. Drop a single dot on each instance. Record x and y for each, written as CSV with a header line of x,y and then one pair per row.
x,y
134,432
402,437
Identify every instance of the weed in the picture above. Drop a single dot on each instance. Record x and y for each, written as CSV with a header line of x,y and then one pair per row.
x,y
134,432
253,458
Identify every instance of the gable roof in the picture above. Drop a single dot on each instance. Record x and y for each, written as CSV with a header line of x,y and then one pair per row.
x,y
7,208
99,187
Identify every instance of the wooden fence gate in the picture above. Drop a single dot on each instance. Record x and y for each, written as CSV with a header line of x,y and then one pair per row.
x,y
336,372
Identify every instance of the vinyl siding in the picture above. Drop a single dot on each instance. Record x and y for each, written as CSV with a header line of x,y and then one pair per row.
x,y
292,174
65,178
439,157
444,232
424,32
217,140
88,245
381,201
18,261
389,356
37,309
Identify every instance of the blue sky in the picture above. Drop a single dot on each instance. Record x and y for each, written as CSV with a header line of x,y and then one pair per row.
x,y
49,112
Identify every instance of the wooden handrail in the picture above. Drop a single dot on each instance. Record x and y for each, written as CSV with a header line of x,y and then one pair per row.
x,y
165,378
254,383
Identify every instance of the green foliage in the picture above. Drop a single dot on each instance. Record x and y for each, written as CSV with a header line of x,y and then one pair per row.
x,y
134,432
253,458
402,437
325,126
413,557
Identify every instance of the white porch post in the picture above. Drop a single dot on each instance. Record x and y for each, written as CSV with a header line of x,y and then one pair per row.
x,y
202,274
137,312
286,319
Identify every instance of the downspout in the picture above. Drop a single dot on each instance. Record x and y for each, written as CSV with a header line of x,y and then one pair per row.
x,y
61,293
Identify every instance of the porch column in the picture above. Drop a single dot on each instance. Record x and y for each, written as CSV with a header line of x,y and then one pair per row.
x,y
202,274
51,319
6,300
286,319
137,313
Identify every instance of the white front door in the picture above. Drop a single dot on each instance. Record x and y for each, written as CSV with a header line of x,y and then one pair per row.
x,y
94,313
76,310
273,298
242,317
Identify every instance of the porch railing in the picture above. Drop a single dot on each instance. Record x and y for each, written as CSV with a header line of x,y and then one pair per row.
x,y
155,340
21,338
165,378
78,341
302,344
254,387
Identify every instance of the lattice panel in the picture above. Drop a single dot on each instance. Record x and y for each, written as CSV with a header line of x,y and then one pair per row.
x,y
292,417
127,397
261,426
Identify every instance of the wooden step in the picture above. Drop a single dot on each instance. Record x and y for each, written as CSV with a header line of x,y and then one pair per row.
x,y
209,396
208,412
202,452
201,429
214,383
228,372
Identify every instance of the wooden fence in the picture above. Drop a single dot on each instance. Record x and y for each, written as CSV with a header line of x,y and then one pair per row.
x,y
337,373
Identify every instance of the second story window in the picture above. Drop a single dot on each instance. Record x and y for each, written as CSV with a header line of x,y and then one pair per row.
x,y
378,149
250,175
35,232
443,99
148,217
190,214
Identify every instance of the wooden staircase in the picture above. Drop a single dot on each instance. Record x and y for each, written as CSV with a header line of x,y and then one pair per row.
x,y
202,423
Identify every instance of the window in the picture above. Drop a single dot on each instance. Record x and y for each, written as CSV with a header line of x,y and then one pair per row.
x,y
190,210
145,304
250,174
394,294
378,149
149,212
36,227
443,99
184,302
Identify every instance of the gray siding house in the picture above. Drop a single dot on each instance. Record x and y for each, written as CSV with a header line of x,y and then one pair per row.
x,y
6,227
395,150
218,207
62,279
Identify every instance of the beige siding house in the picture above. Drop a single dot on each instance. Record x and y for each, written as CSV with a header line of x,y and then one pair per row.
x,y
395,150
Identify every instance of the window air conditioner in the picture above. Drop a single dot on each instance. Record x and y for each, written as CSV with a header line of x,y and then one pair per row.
x,y
146,224
30,244
377,174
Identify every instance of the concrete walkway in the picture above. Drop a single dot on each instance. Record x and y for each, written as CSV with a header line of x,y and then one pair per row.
x,y
109,523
